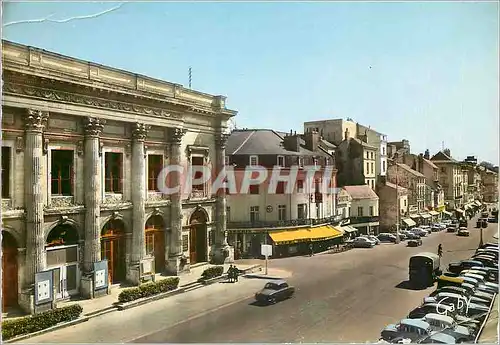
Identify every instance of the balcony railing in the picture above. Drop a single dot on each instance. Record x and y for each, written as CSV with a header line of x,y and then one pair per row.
x,y
360,220
282,223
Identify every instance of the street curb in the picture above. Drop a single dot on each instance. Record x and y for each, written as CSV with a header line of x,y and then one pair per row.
x,y
124,306
47,330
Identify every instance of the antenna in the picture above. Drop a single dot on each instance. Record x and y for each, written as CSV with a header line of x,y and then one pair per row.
x,y
442,146
190,75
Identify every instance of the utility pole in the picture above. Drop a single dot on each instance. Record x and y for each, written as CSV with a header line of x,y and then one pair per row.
x,y
397,202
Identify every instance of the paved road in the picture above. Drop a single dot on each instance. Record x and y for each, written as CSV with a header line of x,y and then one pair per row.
x,y
346,297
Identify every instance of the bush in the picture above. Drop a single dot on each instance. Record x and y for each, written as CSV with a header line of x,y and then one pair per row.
x,y
148,289
212,272
38,322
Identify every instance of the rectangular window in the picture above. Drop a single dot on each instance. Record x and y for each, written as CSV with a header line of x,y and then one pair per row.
x,y
150,243
301,162
373,168
280,188
62,172
383,166
281,212
155,165
226,160
383,151
113,176
197,161
371,211
360,211
254,189
254,160
228,214
404,202
301,211
6,159
300,186
281,161
185,243
254,214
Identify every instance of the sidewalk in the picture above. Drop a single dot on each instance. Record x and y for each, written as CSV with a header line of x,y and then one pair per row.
x,y
489,333
102,305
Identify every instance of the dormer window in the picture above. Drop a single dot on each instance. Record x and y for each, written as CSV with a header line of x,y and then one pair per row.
x,y
254,160
281,161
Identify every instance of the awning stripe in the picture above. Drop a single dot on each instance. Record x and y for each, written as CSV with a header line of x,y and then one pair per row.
x,y
414,216
409,222
319,233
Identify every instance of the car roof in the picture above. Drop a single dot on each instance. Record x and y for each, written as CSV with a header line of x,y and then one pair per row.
x,y
450,294
443,337
277,282
436,305
439,317
415,322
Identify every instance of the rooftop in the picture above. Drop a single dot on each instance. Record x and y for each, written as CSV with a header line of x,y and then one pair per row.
x,y
410,170
361,192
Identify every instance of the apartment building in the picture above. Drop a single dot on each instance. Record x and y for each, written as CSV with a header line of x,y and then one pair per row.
x,y
82,147
451,179
364,214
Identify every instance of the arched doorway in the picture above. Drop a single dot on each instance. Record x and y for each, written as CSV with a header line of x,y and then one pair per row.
x,y
155,241
198,237
9,270
113,249
62,257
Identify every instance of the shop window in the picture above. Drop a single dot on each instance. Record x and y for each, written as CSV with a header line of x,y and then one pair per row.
x,y
281,212
281,161
113,174
155,165
6,159
254,160
254,214
62,172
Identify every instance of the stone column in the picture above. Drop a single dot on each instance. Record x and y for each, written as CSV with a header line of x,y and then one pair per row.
x,y
35,122
221,250
138,249
175,250
93,193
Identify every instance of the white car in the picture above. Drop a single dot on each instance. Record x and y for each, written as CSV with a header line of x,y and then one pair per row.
x,y
426,228
420,232
372,238
362,242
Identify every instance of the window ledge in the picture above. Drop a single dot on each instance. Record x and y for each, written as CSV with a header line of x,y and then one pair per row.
x,y
155,196
112,198
61,201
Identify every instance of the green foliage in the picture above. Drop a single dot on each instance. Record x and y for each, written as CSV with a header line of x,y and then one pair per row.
x,y
212,272
148,289
38,322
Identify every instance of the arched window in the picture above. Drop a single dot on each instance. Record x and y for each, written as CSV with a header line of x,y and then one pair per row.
x,y
62,235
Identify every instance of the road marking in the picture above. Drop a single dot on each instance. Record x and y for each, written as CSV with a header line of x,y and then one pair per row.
x,y
191,318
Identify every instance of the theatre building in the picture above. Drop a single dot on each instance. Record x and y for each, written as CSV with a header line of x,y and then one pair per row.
x,y
82,148
289,218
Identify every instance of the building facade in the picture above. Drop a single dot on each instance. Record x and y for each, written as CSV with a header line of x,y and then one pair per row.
x,y
489,180
270,208
364,214
390,198
83,146
450,178
355,160
332,130
413,181
379,140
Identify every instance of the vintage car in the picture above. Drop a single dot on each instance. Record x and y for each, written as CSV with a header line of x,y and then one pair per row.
x,y
463,223
447,325
427,308
386,237
419,231
464,292
438,338
362,242
486,261
469,309
457,267
463,232
413,329
275,291
451,228
478,285
371,238
414,243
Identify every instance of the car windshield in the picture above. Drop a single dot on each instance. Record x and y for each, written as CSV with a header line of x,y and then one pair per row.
x,y
271,286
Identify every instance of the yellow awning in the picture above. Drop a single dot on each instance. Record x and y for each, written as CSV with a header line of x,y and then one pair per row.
x,y
324,232
290,236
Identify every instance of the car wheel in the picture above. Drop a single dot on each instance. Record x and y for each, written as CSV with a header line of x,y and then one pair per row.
x,y
272,300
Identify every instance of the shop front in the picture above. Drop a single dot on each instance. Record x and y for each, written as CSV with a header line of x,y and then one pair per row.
x,y
426,218
416,218
447,214
408,223
434,216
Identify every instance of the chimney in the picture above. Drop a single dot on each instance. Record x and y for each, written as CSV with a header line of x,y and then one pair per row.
x,y
312,140
420,165
292,142
427,154
447,152
346,134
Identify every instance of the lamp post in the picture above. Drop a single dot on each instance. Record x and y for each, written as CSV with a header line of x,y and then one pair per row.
x,y
397,200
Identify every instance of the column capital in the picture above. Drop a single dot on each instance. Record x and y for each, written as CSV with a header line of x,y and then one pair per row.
x,y
35,120
140,131
221,139
176,135
93,126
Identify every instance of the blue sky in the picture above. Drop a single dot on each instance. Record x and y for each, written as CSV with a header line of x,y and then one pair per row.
x,y
427,72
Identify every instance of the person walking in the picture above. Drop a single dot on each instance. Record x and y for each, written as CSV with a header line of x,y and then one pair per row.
x,y
440,250
236,272
311,249
230,273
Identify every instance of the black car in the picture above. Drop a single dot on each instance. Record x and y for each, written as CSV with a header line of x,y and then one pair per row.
x,y
275,291
451,229
457,267
387,237
414,243
492,220
428,308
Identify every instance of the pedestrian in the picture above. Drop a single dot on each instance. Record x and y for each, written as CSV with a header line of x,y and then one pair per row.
x,y
311,250
440,250
236,272
230,273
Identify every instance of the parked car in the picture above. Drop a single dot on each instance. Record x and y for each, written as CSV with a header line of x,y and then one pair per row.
x,y
414,243
491,271
426,228
438,338
419,231
481,280
451,229
477,285
492,220
411,235
486,261
362,242
386,237
463,223
447,325
457,267
372,238
426,308
407,328
463,232
275,291
464,292
447,222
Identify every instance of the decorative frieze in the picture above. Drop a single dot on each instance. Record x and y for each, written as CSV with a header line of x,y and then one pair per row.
x,y
221,140
93,126
113,198
61,201
155,196
35,120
